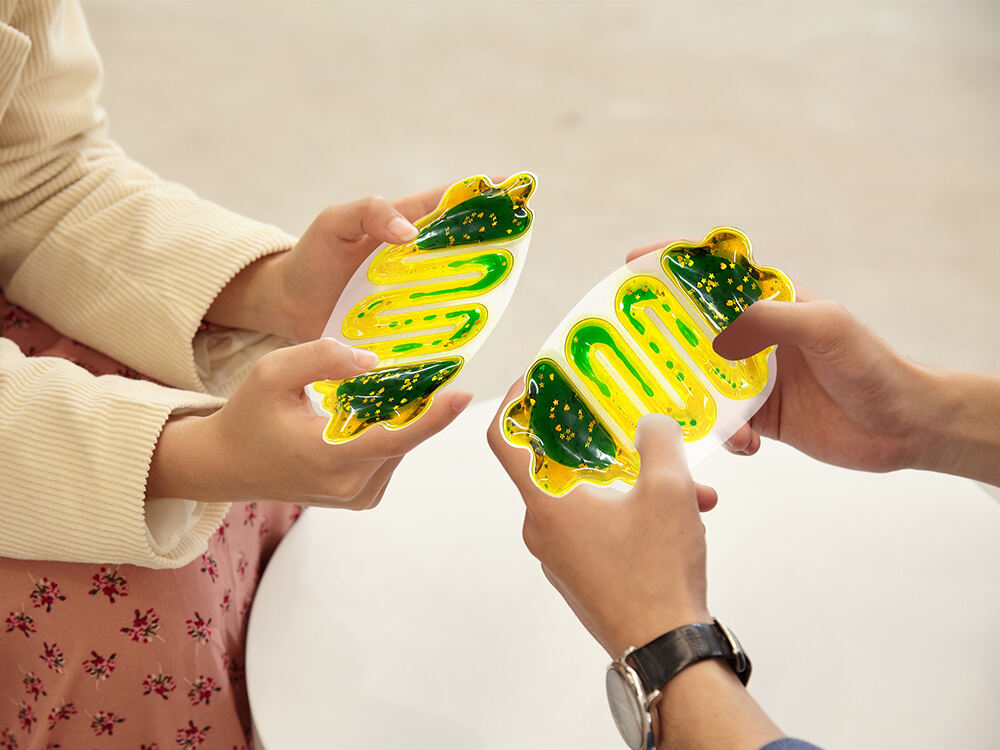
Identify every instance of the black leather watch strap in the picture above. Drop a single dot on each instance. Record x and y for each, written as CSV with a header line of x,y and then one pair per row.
x,y
661,660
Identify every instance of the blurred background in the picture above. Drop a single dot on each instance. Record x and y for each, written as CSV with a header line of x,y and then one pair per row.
x,y
856,143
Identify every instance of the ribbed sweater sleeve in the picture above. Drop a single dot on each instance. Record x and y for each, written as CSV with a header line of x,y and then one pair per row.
x,y
108,254
93,243
74,455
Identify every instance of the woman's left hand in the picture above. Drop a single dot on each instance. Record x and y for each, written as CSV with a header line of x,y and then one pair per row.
x,y
292,294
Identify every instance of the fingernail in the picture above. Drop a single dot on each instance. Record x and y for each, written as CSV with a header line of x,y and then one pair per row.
x,y
365,359
402,229
460,400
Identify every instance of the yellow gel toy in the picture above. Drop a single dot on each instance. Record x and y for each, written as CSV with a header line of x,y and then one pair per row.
x,y
640,342
425,306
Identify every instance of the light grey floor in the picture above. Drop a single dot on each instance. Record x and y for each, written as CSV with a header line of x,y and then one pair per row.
x,y
855,142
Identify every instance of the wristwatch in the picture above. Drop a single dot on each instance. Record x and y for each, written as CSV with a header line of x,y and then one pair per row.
x,y
635,679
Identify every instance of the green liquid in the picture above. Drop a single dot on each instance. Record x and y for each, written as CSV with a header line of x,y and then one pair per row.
x,y
472,315
687,333
376,396
722,289
573,436
495,267
406,347
583,339
487,217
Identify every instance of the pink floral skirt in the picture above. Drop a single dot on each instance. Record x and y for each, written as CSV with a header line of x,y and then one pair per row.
x,y
120,656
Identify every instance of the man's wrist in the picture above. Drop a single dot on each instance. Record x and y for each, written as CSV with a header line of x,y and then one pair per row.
x,y
643,630
959,429
706,706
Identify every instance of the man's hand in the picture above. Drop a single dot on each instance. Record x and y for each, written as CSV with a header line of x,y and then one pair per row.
x,y
292,294
631,566
842,395
266,443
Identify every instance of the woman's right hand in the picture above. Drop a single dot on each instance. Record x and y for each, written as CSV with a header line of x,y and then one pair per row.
x,y
266,443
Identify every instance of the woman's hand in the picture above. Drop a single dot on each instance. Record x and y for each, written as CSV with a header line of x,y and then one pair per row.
x,y
292,294
266,443
631,566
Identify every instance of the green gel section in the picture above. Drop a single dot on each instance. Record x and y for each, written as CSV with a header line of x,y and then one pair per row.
x,y
406,347
376,396
629,301
718,284
646,295
584,338
429,317
483,218
655,347
495,267
687,333
472,316
568,445
376,303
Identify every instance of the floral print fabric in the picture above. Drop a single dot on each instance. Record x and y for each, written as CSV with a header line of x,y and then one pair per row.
x,y
120,656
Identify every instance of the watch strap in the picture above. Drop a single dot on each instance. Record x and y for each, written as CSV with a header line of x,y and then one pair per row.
x,y
659,661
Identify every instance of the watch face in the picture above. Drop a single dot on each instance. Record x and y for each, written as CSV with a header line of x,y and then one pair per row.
x,y
624,700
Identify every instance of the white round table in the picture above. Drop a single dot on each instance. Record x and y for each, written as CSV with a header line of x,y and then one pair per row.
x,y
870,605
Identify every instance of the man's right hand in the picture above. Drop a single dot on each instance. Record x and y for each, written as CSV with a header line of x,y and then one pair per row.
x,y
844,396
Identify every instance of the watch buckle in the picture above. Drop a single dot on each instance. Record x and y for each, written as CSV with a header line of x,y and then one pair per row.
x,y
734,646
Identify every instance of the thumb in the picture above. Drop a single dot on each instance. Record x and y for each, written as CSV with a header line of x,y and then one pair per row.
x,y
811,325
446,406
661,450
293,367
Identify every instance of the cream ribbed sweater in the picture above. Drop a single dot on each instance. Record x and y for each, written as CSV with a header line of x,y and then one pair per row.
x,y
116,258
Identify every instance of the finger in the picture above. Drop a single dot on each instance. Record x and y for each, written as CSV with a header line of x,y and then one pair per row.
x,y
374,216
708,498
816,326
418,205
515,460
291,368
744,442
373,491
662,458
382,442
804,293
645,249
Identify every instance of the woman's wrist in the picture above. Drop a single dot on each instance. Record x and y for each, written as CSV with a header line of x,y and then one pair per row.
x,y
185,462
959,429
254,299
